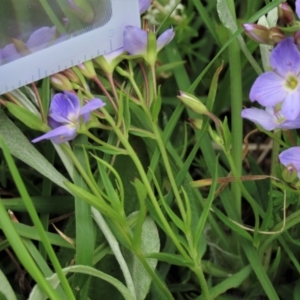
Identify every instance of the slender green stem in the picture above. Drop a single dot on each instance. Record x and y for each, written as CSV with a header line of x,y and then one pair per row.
x,y
153,74
113,86
134,85
236,108
107,94
245,192
154,277
145,181
121,226
146,83
168,168
204,287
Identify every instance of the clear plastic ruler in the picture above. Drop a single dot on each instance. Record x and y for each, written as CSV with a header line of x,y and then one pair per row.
x,y
42,37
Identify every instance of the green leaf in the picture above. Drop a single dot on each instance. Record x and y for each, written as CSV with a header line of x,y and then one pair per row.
x,y
45,97
50,204
114,245
84,226
172,259
27,117
108,149
141,132
38,294
5,288
149,243
20,147
233,281
22,98
156,106
169,67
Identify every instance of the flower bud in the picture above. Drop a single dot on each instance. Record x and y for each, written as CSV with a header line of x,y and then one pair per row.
x,y
286,14
151,49
109,61
276,35
61,82
71,75
87,69
216,138
289,173
196,123
193,103
21,47
257,33
82,10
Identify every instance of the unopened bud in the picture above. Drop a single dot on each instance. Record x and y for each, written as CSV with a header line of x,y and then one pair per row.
x,y
82,9
196,123
87,69
109,61
289,173
286,14
257,33
216,138
71,75
21,47
193,103
61,82
276,35
151,49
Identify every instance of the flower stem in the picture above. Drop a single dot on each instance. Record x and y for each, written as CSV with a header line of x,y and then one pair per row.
x,y
146,183
202,281
146,83
236,108
153,74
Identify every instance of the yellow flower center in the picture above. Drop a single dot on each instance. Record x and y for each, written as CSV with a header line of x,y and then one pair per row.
x,y
292,82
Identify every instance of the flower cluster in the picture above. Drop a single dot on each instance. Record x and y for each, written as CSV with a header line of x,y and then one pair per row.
x,y
278,89
66,114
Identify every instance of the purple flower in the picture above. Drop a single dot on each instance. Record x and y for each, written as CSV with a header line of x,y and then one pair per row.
x,y
65,114
290,158
112,55
10,53
136,40
39,39
269,118
282,85
144,5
